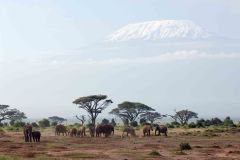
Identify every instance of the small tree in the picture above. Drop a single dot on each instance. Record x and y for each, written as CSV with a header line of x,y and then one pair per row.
x,y
184,116
216,121
44,123
105,121
81,118
10,114
152,116
56,119
94,105
228,122
130,110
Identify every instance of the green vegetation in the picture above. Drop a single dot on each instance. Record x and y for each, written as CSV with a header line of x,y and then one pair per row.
x,y
4,157
44,123
130,111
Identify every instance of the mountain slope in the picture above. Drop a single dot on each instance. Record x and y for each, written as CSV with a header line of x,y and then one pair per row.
x,y
160,30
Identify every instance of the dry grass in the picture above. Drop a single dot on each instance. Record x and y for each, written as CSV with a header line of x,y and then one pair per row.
x,y
223,146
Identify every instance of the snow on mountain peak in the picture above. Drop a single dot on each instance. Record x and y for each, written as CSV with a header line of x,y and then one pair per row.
x,y
159,30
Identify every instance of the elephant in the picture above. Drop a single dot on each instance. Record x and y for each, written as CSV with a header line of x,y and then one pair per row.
x,y
61,129
73,132
106,130
161,129
130,131
36,135
82,131
27,132
147,130
91,131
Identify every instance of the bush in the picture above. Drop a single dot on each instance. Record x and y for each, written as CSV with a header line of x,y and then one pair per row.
x,y
216,121
143,121
54,123
105,121
200,123
185,146
89,125
19,124
44,123
134,123
1,131
34,124
192,125
14,129
228,122
175,124
170,125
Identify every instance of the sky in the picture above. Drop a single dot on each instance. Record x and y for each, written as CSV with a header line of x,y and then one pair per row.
x,y
52,52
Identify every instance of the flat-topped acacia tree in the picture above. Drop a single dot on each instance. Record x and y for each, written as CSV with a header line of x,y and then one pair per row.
x,y
10,114
93,104
129,111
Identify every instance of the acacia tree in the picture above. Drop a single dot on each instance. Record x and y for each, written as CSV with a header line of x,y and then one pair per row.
x,y
152,116
56,119
10,114
93,104
129,111
183,116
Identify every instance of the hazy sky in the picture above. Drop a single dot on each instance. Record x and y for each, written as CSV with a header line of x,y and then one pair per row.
x,y
36,35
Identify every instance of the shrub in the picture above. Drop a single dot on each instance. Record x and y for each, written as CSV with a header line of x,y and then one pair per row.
x,y
44,123
34,124
170,125
89,125
14,129
192,125
105,121
143,121
19,124
54,123
185,146
1,131
228,122
134,123
216,121
175,124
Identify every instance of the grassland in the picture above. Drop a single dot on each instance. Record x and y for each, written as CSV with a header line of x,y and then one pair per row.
x,y
205,143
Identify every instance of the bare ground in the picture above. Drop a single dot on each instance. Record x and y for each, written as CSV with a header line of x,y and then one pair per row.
x,y
205,146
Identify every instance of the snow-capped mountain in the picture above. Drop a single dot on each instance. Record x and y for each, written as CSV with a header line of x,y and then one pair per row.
x,y
159,30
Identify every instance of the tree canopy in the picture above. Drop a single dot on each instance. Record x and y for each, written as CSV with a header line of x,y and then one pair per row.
x,y
10,114
57,119
93,104
152,116
129,111
183,116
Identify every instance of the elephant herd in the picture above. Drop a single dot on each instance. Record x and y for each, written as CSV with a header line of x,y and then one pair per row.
x,y
104,130
100,130
107,130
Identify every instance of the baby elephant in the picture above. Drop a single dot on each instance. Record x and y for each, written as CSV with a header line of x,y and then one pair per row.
x,y
36,135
